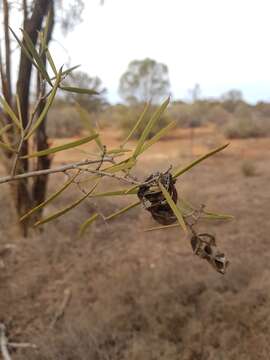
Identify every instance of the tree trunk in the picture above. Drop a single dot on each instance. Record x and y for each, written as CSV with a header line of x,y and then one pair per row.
x,y
39,188
7,53
23,197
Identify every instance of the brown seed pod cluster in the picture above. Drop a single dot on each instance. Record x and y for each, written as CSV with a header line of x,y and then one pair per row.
x,y
153,199
204,246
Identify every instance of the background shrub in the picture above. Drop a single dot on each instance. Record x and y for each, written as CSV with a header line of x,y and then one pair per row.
x,y
63,121
242,128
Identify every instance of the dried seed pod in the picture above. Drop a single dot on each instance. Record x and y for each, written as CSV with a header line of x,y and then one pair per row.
x,y
204,246
153,199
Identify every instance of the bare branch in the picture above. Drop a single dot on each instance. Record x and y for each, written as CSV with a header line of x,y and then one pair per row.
x,y
61,310
103,173
4,342
76,165
21,345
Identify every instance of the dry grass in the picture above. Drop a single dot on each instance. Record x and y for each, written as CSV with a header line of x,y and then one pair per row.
x,y
144,296
248,168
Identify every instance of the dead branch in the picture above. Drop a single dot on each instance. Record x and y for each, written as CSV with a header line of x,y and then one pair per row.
x,y
72,166
4,342
59,314
114,176
16,345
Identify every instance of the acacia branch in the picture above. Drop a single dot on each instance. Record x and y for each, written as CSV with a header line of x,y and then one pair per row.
x,y
120,178
22,345
63,168
41,97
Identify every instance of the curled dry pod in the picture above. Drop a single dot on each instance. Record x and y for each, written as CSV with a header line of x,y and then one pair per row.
x,y
204,246
153,200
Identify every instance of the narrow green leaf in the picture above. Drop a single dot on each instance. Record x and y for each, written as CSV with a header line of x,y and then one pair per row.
x,y
186,205
174,208
6,147
7,109
51,197
85,118
24,49
31,48
216,216
122,211
51,62
5,129
5,141
181,171
159,135
46,107
77,90
162,227
122,166
117,151
208,215
67,146
132,190
87,223
67,72
137,124
67,208
155,117
112,193
19,111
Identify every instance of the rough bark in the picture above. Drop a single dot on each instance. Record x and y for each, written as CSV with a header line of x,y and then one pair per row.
x,y
23,196
7,52
39,188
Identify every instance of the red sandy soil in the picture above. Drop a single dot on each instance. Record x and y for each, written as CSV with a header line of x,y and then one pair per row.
x,y
143,295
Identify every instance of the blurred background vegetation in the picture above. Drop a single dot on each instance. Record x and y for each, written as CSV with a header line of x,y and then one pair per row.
x,y
229,114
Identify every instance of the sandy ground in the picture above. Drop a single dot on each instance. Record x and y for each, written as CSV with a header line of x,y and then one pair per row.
x,y
143,295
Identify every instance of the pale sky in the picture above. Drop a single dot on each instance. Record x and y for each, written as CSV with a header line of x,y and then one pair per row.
x,y
220,44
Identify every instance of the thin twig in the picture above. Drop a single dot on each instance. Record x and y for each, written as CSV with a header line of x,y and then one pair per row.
x,y
102,157
61,310
196,214
4,342
16,345
58,169
103,173
15,162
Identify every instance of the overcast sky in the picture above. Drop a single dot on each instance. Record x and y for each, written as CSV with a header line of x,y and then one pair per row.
x,y
220,44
